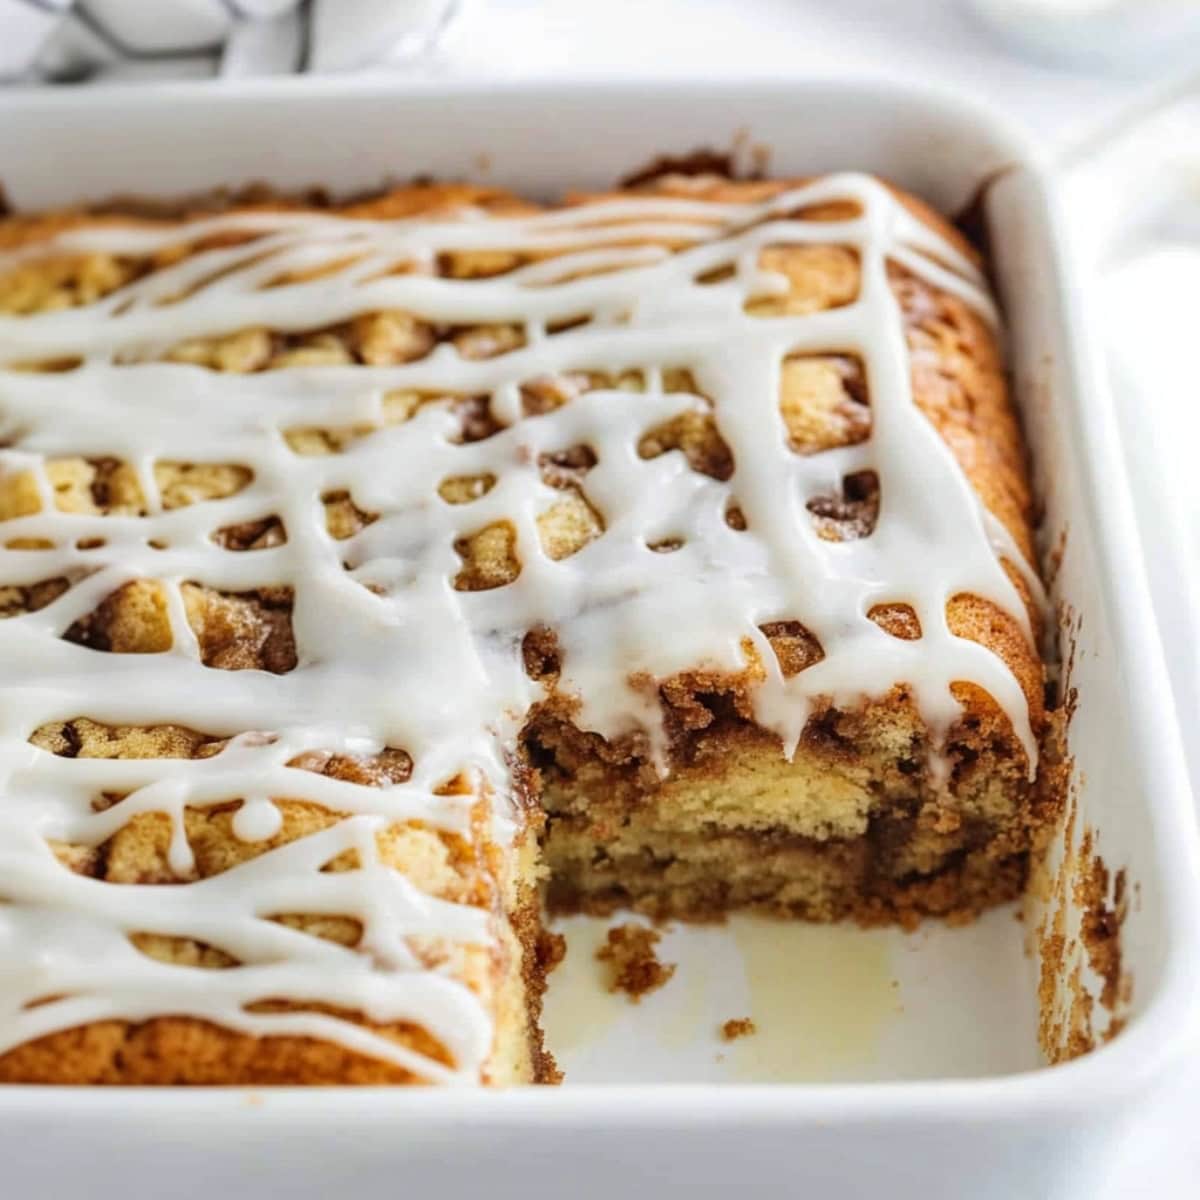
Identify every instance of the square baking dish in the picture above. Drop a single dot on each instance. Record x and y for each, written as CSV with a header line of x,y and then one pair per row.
x,y
942,1091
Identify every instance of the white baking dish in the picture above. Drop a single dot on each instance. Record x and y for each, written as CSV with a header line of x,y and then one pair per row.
x,y
940,1092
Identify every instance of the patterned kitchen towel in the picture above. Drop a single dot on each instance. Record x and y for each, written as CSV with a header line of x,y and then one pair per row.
x,y
73,41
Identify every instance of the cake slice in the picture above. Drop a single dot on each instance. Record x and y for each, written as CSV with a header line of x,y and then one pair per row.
x,y
325,916
852,796
373,571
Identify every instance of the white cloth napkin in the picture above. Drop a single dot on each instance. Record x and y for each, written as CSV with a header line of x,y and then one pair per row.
x,y
49,41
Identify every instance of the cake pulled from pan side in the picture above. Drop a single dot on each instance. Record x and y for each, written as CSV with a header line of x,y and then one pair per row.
x,y
368,569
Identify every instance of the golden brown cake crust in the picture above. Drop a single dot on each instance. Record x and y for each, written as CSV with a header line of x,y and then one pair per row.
x,y
183,1050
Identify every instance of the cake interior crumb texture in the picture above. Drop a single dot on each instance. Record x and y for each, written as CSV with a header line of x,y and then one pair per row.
x,y
631,952
378,578
738,1027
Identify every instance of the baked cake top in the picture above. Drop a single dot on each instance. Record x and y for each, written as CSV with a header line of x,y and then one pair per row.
x,y
345,462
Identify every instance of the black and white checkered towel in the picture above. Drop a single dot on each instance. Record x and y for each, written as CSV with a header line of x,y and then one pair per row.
x,y
68,41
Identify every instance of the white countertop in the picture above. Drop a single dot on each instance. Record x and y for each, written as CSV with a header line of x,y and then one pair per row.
x,y
933,41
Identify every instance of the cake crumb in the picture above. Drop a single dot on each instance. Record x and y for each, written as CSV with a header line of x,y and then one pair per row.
x,y
636,970
738,1027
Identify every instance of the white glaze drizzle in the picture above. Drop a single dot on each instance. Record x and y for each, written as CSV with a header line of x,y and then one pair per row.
x,y
423,666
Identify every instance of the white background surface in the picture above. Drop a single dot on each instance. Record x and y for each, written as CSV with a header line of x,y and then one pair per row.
x,y
936,41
